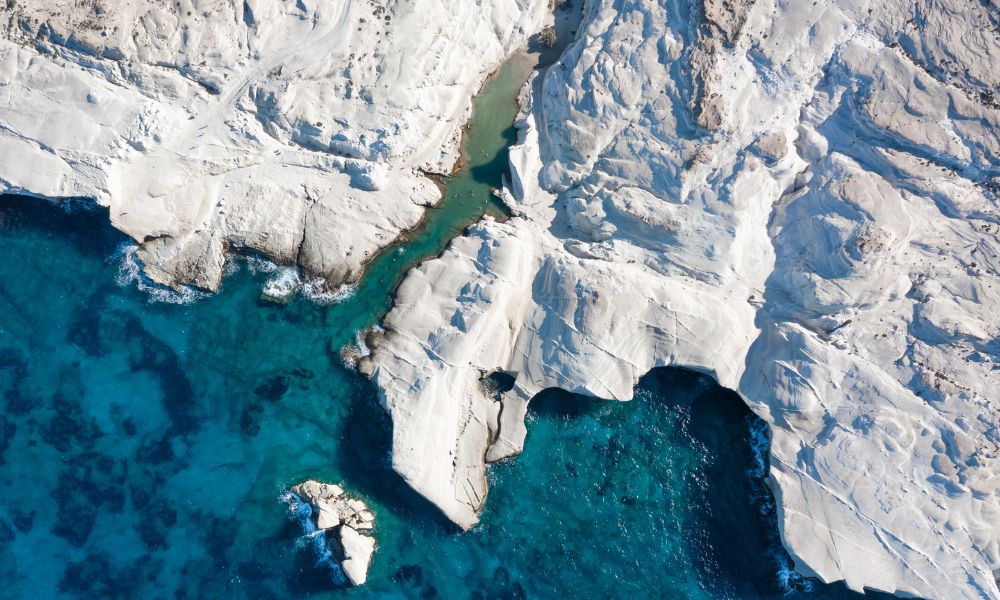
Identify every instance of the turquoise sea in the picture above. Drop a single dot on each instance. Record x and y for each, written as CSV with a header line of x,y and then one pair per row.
x,y
144,444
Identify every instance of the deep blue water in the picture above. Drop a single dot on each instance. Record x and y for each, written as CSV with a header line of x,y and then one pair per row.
x,y
144,446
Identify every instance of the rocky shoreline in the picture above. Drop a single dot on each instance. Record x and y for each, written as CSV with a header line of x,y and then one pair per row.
x,y
216,129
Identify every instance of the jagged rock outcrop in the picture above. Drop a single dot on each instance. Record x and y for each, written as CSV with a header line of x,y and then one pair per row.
x,y
339,526
827,246
298,130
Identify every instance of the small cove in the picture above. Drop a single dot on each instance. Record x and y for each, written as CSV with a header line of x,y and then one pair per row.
x,y
143,446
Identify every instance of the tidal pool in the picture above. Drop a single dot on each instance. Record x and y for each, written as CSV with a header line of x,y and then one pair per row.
x,y
144,445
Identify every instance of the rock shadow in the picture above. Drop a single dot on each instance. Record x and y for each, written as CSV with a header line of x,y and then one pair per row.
x,y
365,461
730,530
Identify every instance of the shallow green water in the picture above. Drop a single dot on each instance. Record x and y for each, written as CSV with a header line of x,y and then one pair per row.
x,y
144,446
468,195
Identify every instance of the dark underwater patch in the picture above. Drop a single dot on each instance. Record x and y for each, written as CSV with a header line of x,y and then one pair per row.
x,y
273,389
87,323
7,534
95,577
89,483
502,586
13,366
13,371
69,428
149,353
251,417
23,520
157,451
17,403
409,574
8,429
155,521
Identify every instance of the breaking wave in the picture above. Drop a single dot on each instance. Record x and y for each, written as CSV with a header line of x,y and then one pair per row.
x,y
130,273
316,290
760,444
313,537
285,282
258,264
282,284
351,354
789,580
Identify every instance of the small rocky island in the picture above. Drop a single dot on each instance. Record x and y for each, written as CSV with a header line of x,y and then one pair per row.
x,y
339,526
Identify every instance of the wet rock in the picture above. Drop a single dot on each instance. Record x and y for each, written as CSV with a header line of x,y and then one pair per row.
x,y
340,527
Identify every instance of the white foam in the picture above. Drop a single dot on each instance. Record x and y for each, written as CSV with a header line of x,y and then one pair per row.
x,y
283,284
760,443
314,537
230,267
352,354
789,580
316,290
130,272
259,264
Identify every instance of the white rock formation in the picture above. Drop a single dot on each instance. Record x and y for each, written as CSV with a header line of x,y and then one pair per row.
x,y
358,550
340,527
293,129
798,198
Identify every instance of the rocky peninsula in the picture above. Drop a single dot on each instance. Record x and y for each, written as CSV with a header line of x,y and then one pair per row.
x,y
797,199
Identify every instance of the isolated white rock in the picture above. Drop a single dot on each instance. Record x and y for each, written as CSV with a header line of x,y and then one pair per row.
x,y
340,528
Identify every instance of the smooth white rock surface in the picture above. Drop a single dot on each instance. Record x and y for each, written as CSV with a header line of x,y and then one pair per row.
x,y
294,129
800,199
358,551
